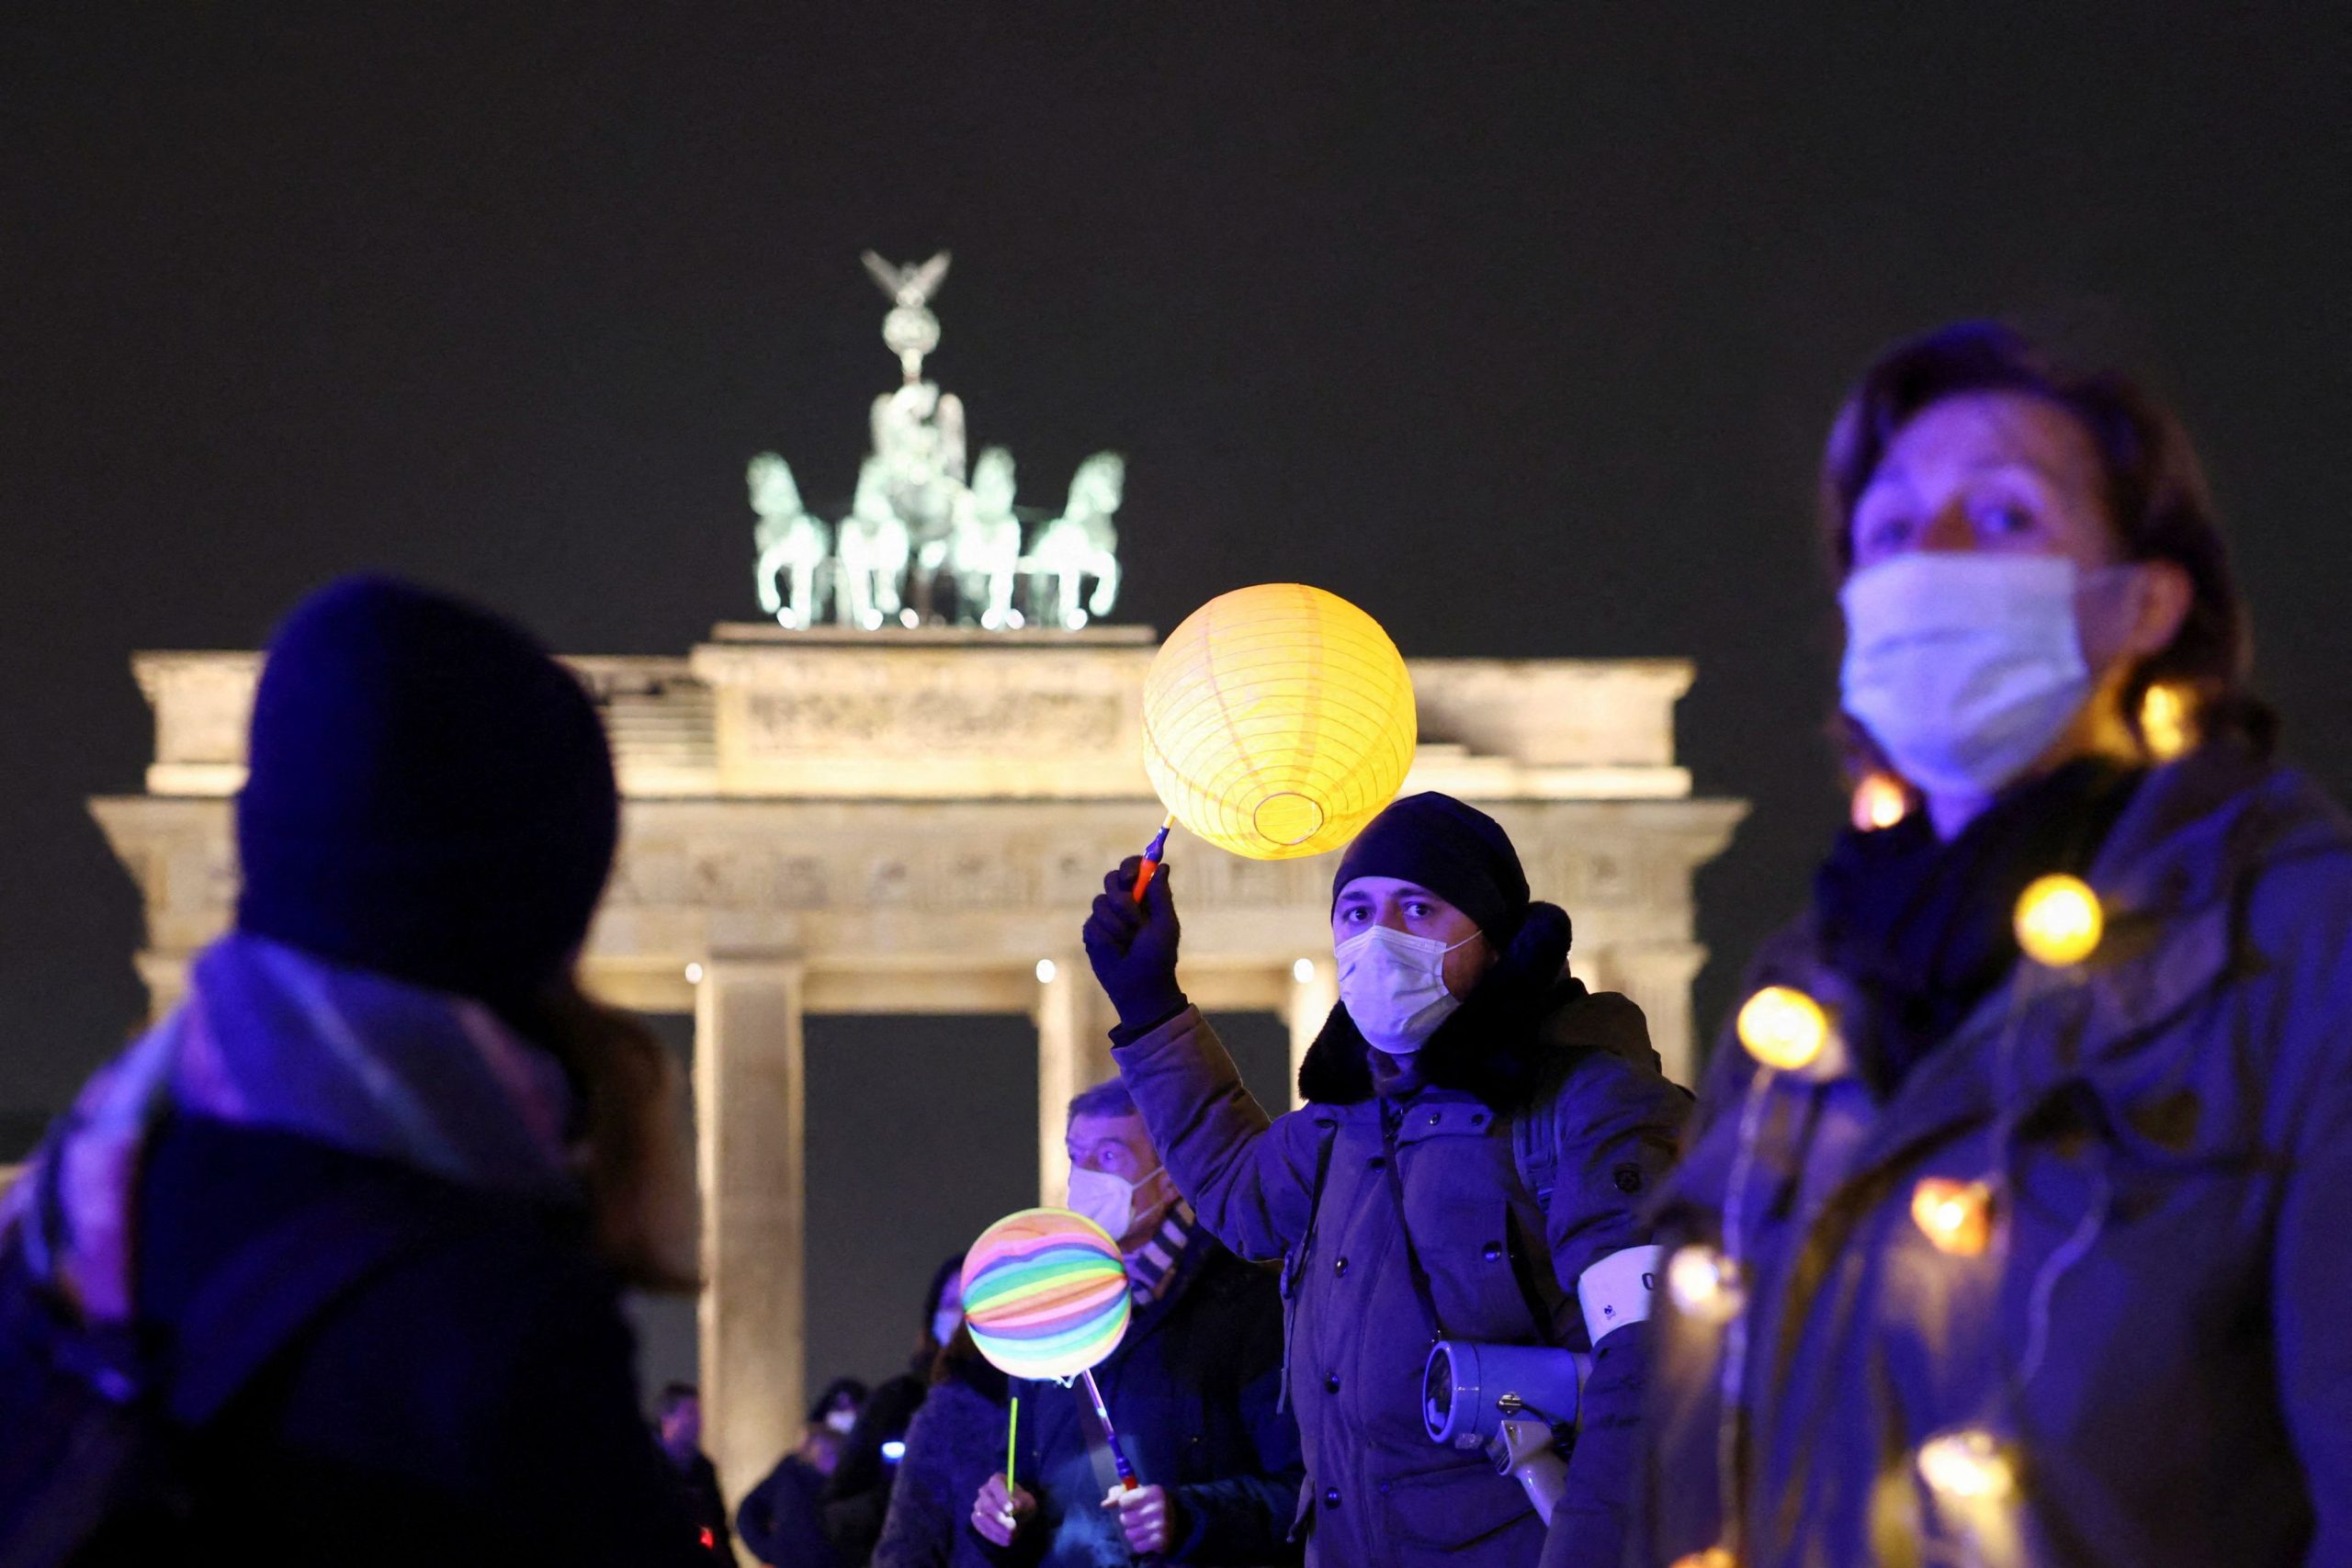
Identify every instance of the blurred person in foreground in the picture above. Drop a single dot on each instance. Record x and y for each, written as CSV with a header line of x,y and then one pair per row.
x,y
1195,1388
384,1157
956,1443
2029,1248
1480,1136
678,1425
782,1520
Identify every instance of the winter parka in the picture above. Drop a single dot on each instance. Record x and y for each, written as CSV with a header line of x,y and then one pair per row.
x,y
1502,1262
2144,1360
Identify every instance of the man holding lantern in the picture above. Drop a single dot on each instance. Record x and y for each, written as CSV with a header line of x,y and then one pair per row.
x,y
1479,1138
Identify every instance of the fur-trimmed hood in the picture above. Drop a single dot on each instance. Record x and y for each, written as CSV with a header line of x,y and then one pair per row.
x,y
1504,1041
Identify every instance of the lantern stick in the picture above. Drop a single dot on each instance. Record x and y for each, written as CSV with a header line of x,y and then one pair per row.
x,y
1152,856
1012,1444
1128,1482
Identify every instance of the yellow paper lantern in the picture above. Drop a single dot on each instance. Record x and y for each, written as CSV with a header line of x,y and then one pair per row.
x,y
1277,720
2059,922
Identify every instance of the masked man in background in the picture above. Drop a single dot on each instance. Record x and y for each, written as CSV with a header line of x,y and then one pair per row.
x,y
1194,1389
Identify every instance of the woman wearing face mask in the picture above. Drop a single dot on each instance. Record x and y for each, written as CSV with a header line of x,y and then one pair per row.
x,y
1479,1136
1995,1247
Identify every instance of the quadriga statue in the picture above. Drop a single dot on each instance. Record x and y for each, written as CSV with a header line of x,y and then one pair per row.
x,y
792,544
870,552
1083,542
984,548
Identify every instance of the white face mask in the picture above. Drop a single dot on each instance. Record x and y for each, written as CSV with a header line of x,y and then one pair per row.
x,y
1105,1199
945,1322
1394,987
1964,667
843,1421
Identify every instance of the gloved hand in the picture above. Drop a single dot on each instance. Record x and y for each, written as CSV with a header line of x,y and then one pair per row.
x,y
1132,947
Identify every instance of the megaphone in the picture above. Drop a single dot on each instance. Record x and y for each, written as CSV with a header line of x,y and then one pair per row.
x,y
1517,1402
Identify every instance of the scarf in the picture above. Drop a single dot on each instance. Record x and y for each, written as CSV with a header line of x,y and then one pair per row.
x,y
1152,1268
1924,929
271,1037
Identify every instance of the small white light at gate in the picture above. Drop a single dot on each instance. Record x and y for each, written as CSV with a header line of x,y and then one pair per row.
x,y
1303,971
893,1451
1045,970
694,974
1966,1466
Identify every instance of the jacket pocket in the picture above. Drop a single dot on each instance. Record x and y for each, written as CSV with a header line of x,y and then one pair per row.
x,y
1451,1510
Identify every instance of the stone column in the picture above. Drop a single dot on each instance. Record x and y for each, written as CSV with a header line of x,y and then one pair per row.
x,y
1314,992
1657,976
750,1088
1074,1021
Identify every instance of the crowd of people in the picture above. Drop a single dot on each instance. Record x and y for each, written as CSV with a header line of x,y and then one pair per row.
x,y
1969,1247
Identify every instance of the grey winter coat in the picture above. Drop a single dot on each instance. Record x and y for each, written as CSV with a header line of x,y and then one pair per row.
x,y
2154,1336
1502,1264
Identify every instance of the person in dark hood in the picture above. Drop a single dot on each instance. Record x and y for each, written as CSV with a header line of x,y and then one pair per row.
x,y
782,1520
383,1095
2013,1226
858,1498
1479,1135
678,1423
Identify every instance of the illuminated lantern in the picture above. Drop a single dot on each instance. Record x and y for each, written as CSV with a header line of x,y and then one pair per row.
x,y
1046,1294
1880,801
1957,1216
1966,1466
1783,1028
1704,1284
2166,723
2059,922
1277,720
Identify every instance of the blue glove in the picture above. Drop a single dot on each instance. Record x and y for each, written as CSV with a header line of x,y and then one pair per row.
x,y
1133,948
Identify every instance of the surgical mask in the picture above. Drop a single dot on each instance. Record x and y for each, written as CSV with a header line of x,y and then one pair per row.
x,y
1105,1199
1394,986
845,1420
945,1322
1964,667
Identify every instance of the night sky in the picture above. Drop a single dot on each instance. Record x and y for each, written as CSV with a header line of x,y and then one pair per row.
x,y
1517,325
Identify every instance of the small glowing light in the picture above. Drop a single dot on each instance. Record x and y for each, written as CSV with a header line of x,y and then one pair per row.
x,y
1880,801
1783,1028
893,1451
1303,971
908,619
1045,970
694,974
1703,1283
1713,1557
1966,1466
1955,1215
2166,722
2059,922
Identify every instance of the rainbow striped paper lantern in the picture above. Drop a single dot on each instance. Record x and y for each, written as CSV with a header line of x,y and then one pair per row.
x,y
1277,720
1046,1294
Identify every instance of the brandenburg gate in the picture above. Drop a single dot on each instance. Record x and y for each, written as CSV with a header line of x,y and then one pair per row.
x,y
915,821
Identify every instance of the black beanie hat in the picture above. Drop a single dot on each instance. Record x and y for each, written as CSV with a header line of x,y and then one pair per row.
x,y
1456,852
429,793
